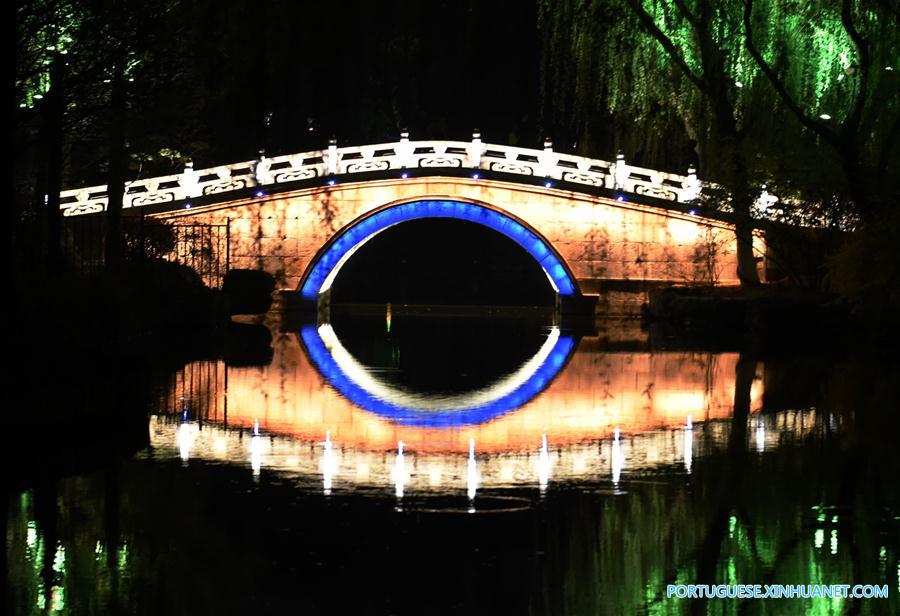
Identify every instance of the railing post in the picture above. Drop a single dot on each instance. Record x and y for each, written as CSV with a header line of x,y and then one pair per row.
x,y
404,149
475,150
331,158
545,158
620,171
227,244
764,201
190,180
691,188
261,169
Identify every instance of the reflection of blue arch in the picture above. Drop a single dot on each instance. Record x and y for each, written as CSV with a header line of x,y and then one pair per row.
x,y
444,418
329,260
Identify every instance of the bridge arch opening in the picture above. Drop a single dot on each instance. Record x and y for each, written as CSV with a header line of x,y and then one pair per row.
x,y
441,262
368,390
322,272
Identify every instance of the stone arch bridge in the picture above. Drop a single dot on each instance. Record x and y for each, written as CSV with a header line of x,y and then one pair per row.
x,y
595,227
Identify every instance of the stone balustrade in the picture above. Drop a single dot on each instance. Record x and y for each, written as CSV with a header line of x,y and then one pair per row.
x,y
334,164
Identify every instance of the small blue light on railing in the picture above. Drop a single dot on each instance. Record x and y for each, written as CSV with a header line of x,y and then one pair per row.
x,y
620,198
187,205
404,175
692,212
260,193
475,176
548,184
331,182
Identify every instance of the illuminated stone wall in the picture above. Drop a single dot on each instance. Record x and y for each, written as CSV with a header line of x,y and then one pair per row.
x,y
600,239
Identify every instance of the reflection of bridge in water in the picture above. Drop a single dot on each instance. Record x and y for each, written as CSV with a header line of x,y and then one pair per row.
x,y
364,389
603,414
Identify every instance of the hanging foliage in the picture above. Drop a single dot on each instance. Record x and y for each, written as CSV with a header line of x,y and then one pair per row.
x,y
45,30
599,56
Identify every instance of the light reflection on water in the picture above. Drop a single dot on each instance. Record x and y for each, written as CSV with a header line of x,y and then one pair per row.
x,y
628,470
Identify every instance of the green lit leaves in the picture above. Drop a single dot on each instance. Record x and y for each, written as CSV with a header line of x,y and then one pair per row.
x,y
45,30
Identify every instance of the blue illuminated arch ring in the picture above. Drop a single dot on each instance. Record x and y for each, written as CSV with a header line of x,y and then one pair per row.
x,y
324,267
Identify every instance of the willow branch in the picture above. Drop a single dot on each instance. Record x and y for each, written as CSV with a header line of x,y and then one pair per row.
x,y
780,88
683,7
852,123
638,8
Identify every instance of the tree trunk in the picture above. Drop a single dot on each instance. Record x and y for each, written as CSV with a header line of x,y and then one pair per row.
x,y
856,183
738,184
54,110
115,182
726,497
743,231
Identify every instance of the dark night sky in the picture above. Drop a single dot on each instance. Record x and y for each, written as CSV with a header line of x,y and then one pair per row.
x,y
362,71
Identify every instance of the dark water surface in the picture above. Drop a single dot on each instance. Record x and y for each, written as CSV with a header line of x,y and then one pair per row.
x,y
418,465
